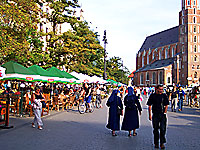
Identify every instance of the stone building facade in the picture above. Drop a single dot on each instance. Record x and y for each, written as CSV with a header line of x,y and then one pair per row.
x,y
172,56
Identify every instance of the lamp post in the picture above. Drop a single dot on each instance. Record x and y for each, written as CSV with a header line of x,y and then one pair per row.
x,y
105,42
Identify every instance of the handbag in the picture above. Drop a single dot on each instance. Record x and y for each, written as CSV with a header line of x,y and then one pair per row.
x,y
119,110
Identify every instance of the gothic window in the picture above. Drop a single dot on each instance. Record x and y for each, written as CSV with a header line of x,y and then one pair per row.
x,y
195,75
142,61
183,49
160,55
195,29
172,52
154,78
141,79
195,48
195,38
166,53
194,20
147,76
195,58
197,66
160,78
192,67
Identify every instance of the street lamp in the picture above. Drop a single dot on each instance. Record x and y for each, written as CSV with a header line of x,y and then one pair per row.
x,y
105,42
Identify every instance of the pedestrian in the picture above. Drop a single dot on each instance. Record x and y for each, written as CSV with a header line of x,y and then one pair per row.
x,y
174,99
37,108
114,102
131,119
159,103
181,95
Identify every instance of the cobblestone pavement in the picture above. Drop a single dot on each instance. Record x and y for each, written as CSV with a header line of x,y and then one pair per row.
x,y
73,131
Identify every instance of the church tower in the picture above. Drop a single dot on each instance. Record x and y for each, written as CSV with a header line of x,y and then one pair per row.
x,y
189,42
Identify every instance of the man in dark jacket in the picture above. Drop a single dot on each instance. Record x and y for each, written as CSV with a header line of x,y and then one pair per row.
x,y
159,103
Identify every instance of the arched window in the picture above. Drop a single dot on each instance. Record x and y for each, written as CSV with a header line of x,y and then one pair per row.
x,y
195,29
198,67
154,78
194,2
160,78
142,61
160,54
166,53
194,20
195,48
147,58
195,75
183,49
192,67
195,58
188,2
182,20
147,77
194,10
195,38
173,52
141,78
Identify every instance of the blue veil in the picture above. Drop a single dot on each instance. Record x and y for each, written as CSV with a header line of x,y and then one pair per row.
x,y
130,91
113,96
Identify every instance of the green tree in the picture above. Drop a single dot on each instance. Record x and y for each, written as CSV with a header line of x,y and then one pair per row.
x,y
18,31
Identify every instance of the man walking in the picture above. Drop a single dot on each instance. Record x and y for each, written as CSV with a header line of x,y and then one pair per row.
x,y
159,103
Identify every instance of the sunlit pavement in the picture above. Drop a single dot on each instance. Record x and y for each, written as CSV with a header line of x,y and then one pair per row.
x,y
73,131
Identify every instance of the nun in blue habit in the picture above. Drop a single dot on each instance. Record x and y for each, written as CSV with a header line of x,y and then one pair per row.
x,y
131,119
114,118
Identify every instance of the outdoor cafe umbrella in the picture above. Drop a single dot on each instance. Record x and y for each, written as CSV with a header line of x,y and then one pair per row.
x,y
16,71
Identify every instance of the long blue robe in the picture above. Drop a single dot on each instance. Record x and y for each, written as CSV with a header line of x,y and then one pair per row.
x,y
114,118
131,119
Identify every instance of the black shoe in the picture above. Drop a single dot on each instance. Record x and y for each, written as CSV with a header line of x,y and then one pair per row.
x,y
156,146
162,146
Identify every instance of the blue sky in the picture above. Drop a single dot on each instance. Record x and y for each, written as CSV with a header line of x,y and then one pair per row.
x,y
129,22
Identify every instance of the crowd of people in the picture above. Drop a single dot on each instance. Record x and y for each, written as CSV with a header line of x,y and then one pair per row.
x,y
158,98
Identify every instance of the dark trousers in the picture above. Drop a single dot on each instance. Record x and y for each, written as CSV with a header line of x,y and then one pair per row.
x,y
159,122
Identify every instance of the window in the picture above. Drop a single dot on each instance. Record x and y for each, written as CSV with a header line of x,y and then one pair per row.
x,y
172,52
195,75
154,78
141,79
197,66
182,20
142,61
194,20
168,80
160,78
195,58
188,2
160,55
147,59
194,10
195,48
194,2
166,53
192,67
183,49
147,76
195,38
153,55
195,29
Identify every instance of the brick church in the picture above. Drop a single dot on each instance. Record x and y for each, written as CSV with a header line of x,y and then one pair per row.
x,y
172,56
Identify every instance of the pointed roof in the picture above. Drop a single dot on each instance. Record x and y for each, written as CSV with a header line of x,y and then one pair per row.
x,y
40,71
61,74
160,39
13,67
